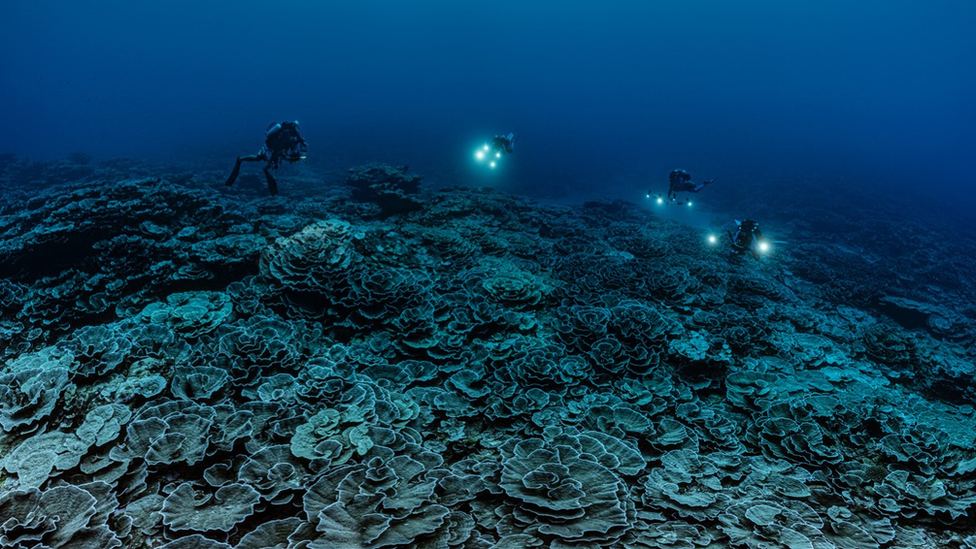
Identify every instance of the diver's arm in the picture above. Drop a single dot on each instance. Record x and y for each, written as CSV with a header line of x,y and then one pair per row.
x,y
736,247
299,137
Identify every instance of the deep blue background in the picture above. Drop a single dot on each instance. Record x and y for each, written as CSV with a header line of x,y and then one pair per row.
x,y
608,96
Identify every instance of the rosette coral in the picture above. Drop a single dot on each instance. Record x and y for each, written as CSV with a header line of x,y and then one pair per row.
x,y
198,383
189,507
172,437
558,491
357,415
509,286
37,457
29,396
318,259
889,345
64,516
189,369
253,347
97,350
547,367
391,188
383,292
762,523
275,473
191,314
688,484
386,502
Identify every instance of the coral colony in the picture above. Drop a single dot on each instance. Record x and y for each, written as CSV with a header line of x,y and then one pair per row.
x,y
184,368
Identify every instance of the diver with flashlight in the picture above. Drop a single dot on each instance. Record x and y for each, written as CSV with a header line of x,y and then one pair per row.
x,y
500,146
504,144
282,141
747,238
679,181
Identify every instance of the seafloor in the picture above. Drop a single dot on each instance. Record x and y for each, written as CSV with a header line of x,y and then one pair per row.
x,y
381,365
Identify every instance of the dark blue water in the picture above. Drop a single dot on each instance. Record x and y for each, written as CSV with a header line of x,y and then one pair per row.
x,y
608,96
189,362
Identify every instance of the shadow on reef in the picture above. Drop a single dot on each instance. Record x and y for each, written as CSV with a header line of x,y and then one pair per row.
x,y
384,366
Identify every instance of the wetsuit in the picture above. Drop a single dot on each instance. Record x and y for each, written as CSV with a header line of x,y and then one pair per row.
x,y
679,181
282,141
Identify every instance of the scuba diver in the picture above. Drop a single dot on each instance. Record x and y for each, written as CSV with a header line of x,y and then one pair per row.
x,y
680,181
504,144
501,145
747,238
282,141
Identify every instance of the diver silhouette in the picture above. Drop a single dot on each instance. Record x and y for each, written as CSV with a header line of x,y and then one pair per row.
x,y
282,141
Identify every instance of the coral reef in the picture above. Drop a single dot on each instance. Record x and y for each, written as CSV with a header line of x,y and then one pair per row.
x,y
391,188
461,369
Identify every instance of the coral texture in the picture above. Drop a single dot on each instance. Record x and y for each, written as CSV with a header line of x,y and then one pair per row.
x,y
461,369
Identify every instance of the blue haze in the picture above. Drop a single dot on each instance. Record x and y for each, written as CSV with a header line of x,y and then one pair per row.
x,y
608,96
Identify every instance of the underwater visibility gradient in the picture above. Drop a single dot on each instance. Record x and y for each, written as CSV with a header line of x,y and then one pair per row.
x,y
336,275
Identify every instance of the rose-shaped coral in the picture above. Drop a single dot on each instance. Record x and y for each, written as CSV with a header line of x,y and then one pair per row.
x,y
29,396
316,259
560,491
191,313
515,289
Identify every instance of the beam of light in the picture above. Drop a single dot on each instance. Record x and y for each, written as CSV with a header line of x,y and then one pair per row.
x,y
764,246
498,155
688,203
485,148
480,155
660,200
712,239
492,164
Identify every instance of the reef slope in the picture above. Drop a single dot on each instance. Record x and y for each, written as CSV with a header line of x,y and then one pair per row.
x,y
187,368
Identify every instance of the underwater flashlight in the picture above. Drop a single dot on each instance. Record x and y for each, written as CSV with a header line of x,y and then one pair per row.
x,y
492,164
660,200
485,147
764,246
712,239
498,155
480,155
688,202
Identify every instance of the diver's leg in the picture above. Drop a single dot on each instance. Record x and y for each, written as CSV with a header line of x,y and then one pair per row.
x,y
702,185
272,184
235,172
237,166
